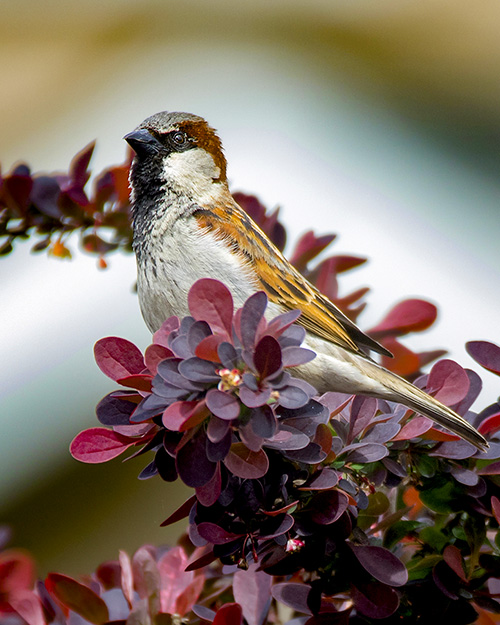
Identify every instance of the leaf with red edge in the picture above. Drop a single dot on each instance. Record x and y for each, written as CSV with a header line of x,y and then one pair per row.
x,y
413,428
118,358
453,558
154,354
308,247
211,301
267,356
97,445
229,614
411,315
375,600
28,606
246,463
181,513
381,564
486,354
490,424
215,534
252,590
495,508
77,597
448,382
160,337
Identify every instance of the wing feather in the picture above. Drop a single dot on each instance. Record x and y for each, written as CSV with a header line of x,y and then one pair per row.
x,y
283,284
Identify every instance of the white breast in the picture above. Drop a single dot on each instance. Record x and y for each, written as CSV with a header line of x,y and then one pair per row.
x,y
179,254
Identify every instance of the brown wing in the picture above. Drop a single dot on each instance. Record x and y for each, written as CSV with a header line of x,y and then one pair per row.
x,y
283,284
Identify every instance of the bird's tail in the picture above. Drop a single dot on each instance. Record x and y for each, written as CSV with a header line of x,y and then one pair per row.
x,y
411,396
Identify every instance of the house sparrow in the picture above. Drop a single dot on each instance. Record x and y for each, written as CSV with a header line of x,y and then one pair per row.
x,y
187,226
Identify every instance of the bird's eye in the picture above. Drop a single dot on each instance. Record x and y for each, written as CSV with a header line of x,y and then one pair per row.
x,y
179,138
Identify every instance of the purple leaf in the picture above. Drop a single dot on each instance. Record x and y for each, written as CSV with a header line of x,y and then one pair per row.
x,y
118,358
293,595
365,452
193,466
252,314
275,526
279,324
115,410
222,405
216,534
448,382
312,454
486,354
218,450
148,408
328,506
293,397
254,399
208,494
209,300
475,386
247,436
375,600
228,355
263,421
294,356
464,476
381,564
321,480
245,463
252,590
458,450
267,356
196,333
97,445
287,438
363,409
198,370
217,429
382,432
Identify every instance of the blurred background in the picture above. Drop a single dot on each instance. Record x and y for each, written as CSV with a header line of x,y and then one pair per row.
x,y
377,120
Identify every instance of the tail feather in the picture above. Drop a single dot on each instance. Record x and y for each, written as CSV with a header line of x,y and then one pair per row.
x,y
425,404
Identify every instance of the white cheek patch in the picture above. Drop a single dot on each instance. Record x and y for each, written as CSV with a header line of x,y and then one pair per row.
x,y
192,172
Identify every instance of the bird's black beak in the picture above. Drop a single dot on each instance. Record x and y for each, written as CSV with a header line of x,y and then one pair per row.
x,y
143,143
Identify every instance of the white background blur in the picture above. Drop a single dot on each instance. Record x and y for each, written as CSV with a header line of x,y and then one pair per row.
x,y
376,120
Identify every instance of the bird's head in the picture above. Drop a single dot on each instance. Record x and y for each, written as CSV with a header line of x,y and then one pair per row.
x,y
178,152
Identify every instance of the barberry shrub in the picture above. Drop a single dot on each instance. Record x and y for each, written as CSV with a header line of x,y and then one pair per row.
x,y
305,508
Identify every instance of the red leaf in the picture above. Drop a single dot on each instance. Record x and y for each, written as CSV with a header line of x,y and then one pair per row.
x,y
97,445
207,348
453,558
78,169
77,597
246,463
28,606
416,427
486,354
17,571
181,513
160,337
118,358
412,315
184,415
438,435
154,354
140,382
404,361
448,382
211,301
175,581
495,507
228,614
308,247
490,424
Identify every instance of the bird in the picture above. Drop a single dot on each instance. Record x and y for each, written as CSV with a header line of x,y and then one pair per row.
x,y
187,226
